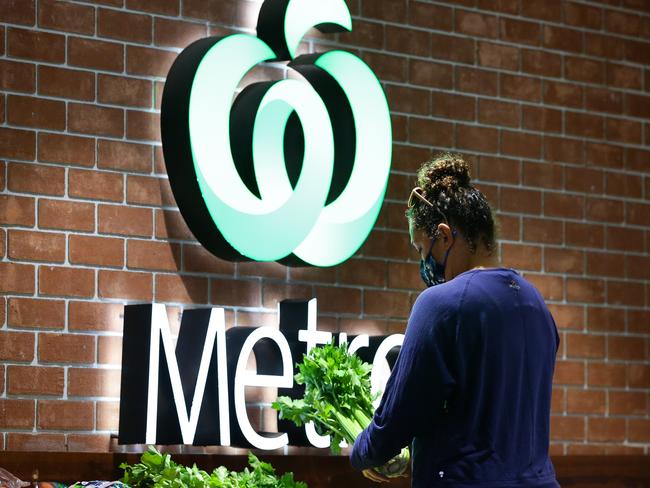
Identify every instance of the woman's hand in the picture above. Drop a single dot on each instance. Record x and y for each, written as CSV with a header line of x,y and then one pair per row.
x,y
373,475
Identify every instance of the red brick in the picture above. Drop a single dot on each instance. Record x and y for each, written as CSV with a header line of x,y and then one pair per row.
x,y
561,38
568,316
36,246
95,120
110,23
475,24
430,16
581,15
584,125
120,90
586,401
627,402
127,285
608,319
65,415
604,210
108,415
498,56
265,270
624,239
520,200
311,274
541,63
567,428
122,220
386,303
543,230
637,159
66,16
17,414
124,156
622,23
584,70
476,81
520,32
34,45
542,119
451,48
622,76
551,287
66,83
638,321
626,348
626,131
219,11
605,264
521,88
431,132
385,244
638,430
449,106
98,251
181,289
603,100
96,185
366,34
149,191
33,178
17,76
109,350
17,346
37,313
18,12
59,214
143,126
198,259
585,346
393,68
148,62
34,380
500,170
246,293
562,260
569,373
94,382
35,112
391,10
175,33
409,100
273,294
636,51
339,299
89,53
15,210
584,180
477,138
604,155
17,144
521,144
637,105
585,290
494,112
625,293
606,429
564,150
166,7
88,442
363,272
35,442
17,278
60,148
402,40
563,205
153,255
637,267
638,375
522,256
170,224
565,94
543,175
95,316
66,348
637,213
60,281
607,374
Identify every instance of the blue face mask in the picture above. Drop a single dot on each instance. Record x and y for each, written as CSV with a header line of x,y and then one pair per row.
x,y
431,271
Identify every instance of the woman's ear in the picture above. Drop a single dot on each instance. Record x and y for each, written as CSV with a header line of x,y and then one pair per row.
x,y
446,233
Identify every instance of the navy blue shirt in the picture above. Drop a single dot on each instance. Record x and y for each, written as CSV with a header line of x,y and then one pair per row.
x,y
471,388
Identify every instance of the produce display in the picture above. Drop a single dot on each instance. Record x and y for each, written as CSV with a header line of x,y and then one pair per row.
x,y
156,470
337,399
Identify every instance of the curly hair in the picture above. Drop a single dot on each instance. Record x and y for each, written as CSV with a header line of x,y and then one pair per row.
x,y
445,182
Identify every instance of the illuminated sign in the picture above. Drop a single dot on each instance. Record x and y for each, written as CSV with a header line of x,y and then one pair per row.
x,y
294,170
194,392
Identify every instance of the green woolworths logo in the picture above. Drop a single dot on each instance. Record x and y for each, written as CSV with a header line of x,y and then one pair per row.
x,y
293,171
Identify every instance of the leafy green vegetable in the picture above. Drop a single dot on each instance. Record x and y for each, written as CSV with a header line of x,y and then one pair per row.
x,y
157,470
337,399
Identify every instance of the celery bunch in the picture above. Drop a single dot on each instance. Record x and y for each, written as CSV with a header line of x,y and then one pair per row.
x,y
337,399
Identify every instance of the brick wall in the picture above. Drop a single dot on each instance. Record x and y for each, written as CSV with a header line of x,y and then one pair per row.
x,y
549,99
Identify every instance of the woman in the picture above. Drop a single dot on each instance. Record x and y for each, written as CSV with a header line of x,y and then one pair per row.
x,y
471,389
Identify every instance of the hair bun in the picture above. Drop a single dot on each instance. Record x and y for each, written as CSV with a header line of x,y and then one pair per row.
x,y
445,171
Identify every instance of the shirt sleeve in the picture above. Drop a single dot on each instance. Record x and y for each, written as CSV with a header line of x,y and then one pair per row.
x,y
414,394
